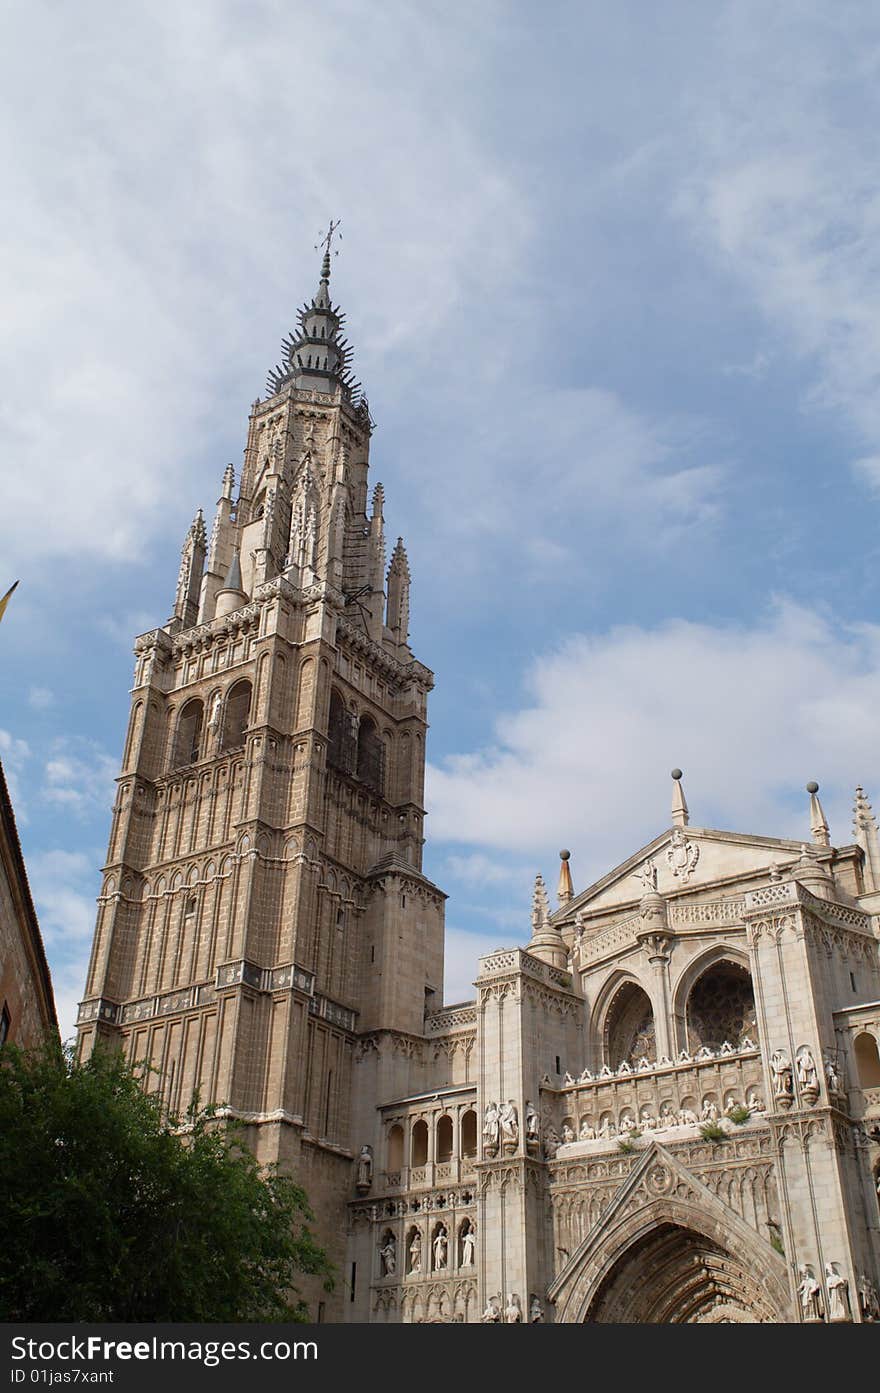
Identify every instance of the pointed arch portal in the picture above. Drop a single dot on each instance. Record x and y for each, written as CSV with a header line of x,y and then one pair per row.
x,y
667,1251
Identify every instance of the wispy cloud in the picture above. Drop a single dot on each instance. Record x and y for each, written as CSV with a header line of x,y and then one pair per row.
x,y
749,711
79,776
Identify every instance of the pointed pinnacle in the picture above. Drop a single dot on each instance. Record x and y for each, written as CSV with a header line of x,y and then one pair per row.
x,y
818,823
565,889
680,814
540,906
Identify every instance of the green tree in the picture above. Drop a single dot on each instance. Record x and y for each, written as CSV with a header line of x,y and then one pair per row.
x,y
110,1211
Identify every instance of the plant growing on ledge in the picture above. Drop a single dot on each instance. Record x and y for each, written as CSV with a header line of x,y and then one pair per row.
x,y
739,1114
627,1144
713,1131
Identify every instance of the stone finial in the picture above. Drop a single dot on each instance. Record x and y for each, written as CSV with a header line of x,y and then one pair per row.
x,y
565,889
228,482
546,942
866,835
680,815
540,906
818,824
197,530
378,502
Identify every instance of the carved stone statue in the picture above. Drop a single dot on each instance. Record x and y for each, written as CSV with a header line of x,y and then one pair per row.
x,y
533,1124
508,1117
832,1078
441,1250
388,1254
648,875
551,1143
869,1302
492,1313
754,1102
415,1252
588,1131
810,1293
536,1311
783,1084
567,1134
513,1310
214,717
365,1170
807,1073
468,1245
838,1293
491,1129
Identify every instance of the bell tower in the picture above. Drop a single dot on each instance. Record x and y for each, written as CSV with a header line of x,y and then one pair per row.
x,y
254,918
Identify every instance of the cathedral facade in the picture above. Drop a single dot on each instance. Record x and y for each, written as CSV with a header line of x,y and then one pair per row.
x,y
665,1108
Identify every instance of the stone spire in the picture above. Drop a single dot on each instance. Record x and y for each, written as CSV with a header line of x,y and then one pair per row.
x,y
680,815
231,595
865,829
546,943
565,889
315,356
818,824
220,548
398,584
189,577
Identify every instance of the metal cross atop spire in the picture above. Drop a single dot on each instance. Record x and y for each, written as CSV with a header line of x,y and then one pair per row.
x,y
326,242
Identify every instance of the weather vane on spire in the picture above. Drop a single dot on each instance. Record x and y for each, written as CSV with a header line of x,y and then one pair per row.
x,y
327,240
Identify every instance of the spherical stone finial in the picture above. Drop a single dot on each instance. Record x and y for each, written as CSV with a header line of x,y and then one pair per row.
x,y
676,773
565,854
812,786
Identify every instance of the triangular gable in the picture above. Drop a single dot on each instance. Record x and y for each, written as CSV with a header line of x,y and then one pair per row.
x,y
683,859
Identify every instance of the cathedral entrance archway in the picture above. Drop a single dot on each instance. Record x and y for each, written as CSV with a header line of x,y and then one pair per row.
x,y
674,1275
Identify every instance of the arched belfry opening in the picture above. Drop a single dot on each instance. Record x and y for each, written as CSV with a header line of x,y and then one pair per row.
x,y
721,1007
674,1275
370,755
867,1057
188,736
629,1027
235,715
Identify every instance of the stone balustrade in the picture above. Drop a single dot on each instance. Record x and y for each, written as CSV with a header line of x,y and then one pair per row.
x,y
680,1088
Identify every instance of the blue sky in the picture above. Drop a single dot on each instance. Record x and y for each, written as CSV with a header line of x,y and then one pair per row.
x,y
612,276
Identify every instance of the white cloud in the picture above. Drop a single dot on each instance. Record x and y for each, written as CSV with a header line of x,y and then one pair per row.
x,y
79,776
462,951
15,754
41,698
750,712
163,196
783,190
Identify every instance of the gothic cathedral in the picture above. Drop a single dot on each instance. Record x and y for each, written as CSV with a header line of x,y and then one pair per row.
x,y
665,1108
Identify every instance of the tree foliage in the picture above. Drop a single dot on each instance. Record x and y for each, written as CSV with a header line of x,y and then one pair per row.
x,y
110,1211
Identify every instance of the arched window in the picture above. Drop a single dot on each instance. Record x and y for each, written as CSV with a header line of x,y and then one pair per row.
x,y
444,1139
341,744
420,1143
187,741
395,1147
370,756
867,1060
629,1027
469,1134
235,716
721,1007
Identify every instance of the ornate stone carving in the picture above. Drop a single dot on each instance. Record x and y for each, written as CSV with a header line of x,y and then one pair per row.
x,y
513,1310
682,855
